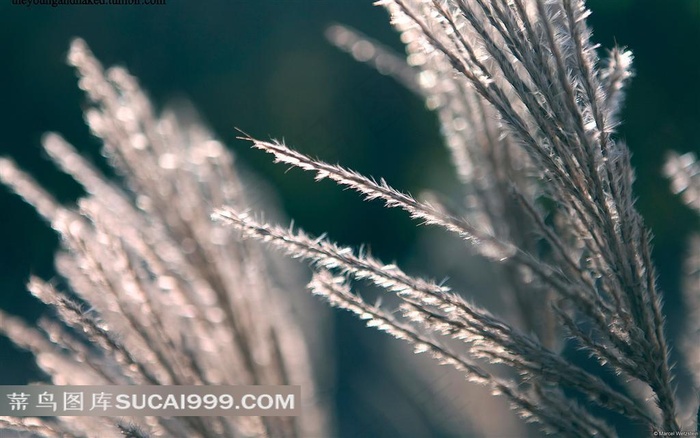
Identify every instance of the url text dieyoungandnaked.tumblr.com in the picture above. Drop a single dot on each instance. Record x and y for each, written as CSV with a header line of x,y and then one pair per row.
x,y
56,3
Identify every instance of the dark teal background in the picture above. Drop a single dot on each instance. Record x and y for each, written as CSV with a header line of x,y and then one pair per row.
x,y
265,67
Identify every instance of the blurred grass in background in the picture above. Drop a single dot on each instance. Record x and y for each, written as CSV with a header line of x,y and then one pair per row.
x,y
265,67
